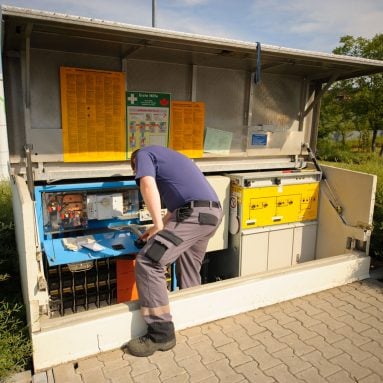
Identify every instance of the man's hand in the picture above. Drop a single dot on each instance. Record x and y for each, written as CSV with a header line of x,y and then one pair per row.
x,y
150,232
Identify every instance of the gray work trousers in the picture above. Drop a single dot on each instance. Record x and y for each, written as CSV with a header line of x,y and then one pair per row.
x,y
183,240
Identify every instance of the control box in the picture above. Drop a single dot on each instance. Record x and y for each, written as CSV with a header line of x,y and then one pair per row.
x,y
273,219
273,198
88,234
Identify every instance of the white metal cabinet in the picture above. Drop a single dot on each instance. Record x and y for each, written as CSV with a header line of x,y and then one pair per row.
x,y
276,247
254,253
280,248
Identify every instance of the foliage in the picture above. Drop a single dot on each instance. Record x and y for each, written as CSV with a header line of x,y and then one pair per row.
x,y
9,270
329,150
15,346
355,104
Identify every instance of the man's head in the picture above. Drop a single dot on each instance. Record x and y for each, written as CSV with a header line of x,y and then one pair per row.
x,y
133,160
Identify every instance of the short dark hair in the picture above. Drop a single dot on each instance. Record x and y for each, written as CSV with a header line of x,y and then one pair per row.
x,y
133,159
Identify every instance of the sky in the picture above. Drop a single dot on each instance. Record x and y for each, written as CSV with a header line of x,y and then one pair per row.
x,y
315,25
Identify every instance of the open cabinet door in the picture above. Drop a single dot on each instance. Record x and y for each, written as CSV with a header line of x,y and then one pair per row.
x,y
340,233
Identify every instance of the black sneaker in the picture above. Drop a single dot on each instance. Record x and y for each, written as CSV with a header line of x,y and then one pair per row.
x,y
145,346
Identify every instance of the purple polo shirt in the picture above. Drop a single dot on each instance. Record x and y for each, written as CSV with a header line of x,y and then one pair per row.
x,y
178,179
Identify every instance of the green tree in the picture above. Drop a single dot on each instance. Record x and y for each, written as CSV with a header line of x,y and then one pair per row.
x,y
358,103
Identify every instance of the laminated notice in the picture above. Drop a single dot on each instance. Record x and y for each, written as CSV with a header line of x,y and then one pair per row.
x,y
93,115
187,127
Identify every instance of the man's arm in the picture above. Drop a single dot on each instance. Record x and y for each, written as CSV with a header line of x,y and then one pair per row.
x,y
152,199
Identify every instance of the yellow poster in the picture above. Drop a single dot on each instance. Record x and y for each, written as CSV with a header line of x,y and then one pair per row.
x,y
187,127
93,115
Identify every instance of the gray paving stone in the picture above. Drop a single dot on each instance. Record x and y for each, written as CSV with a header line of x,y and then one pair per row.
x,y
219,338
65,373
248,323
224,372
374,322
332,310
301,331
326,349
183,378
330,336
308,308
267,339
330,322
353,351
227,324
311,375
50,377
347,332
110,355
288,307
212,379
306,320
242,338
117,363
263,358
374,301
374,364
347,297
119,375
282,374
182,350
271,309
252,373
314,299
141,366
191,332
207,352
94,375
282,318
300,348
373,334
207,327
89,364
357,312
293,362
354,369
374,348
334,301
20,377
371,379
374,311
166,365
151,376
40,377
276,329
340,377
196,370
324,367
234,354
356,325
260,316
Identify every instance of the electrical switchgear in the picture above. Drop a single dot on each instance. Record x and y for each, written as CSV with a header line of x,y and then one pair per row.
x,y
88,236
272,216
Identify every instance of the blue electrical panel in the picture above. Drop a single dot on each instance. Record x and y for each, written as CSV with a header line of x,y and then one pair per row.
x,y
81,222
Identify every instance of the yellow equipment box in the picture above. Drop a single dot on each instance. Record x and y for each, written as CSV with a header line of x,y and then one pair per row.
x,y
272,198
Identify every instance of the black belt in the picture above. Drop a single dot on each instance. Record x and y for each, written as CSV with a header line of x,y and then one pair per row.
x,y
202,204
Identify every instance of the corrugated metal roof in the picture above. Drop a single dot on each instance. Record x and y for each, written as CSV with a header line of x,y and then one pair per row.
x,y
129,39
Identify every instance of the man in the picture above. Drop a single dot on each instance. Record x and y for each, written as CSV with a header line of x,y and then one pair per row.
x,y
194,214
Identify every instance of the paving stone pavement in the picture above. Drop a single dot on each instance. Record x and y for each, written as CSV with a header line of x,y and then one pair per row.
x,y
333,336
